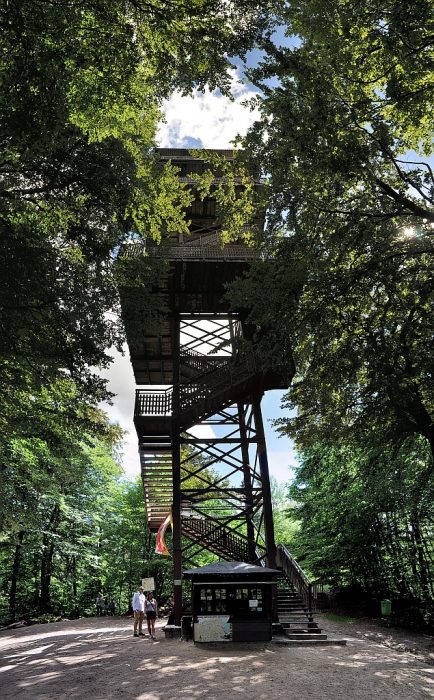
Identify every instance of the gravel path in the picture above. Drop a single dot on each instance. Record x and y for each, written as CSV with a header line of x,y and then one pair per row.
x,y
98,658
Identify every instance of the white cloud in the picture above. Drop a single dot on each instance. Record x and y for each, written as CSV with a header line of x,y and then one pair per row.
x,y
208,119
121,382
281,464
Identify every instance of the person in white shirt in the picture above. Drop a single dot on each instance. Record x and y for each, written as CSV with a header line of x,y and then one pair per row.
x,y
139,611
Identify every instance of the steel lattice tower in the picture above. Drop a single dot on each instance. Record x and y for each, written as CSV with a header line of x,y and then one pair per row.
x,y
198,409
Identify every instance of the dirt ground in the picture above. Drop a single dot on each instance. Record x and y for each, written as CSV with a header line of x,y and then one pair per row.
x,y
98,658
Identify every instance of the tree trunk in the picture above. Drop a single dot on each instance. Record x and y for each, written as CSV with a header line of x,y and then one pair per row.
x,y
15,577
423,568
74,576
47,563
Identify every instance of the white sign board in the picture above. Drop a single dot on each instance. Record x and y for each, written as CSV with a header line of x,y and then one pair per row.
x,y
213,628
148,584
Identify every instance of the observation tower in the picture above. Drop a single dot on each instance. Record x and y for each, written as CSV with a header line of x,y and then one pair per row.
x,y
199,388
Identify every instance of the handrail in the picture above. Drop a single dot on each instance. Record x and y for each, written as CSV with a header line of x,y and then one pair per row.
x,y
219,535
308,590
195,250
152,402
202,363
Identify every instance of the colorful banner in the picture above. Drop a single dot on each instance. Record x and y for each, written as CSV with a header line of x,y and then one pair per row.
x,y
160,545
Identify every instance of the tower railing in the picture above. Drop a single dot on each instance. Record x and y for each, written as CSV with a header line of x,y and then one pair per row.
x,y
203,248
159,402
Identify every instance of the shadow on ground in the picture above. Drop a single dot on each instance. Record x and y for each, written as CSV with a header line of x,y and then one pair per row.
x,y
97,659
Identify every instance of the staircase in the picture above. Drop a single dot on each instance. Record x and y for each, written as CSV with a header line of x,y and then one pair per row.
x,y
219,538
298,599
295,620
210,384
156,469
219,386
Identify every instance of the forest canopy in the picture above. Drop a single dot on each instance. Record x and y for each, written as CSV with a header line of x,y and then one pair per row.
x,y
345,293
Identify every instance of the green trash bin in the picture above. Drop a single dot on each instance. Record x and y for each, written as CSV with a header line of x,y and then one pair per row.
x,y
386,607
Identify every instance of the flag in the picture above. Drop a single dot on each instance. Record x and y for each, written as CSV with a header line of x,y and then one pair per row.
x,y
160,545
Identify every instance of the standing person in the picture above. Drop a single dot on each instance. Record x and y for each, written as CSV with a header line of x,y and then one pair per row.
x,y
139,611
151,613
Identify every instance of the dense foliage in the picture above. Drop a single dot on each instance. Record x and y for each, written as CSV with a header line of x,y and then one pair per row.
x,y
366,518
344,295
71,526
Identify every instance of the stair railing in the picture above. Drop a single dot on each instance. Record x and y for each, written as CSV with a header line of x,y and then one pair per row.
x,y
308,590
201,389
220,536
202,364
153,402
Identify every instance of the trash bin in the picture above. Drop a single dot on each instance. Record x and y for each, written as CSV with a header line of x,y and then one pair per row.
x,y
386,607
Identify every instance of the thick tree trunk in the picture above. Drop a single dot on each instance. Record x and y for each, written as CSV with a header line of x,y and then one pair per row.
x,y
46,571
15,576
47,563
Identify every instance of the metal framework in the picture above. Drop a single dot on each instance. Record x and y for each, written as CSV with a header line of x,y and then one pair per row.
x,y
201,436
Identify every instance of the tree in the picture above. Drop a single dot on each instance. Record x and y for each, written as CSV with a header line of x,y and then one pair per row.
x,y
127,547
366,517
285,528
346,288
81,90
56,483
349,126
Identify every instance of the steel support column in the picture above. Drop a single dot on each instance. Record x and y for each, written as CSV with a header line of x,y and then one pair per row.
x,y
176,477
247,483
265,478
266,494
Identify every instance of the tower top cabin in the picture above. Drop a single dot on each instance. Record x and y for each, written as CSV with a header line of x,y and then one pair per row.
x,y
194,271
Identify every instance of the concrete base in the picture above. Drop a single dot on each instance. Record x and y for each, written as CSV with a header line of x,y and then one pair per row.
x,y
172,631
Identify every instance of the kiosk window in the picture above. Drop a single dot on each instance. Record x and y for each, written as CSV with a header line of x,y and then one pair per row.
x,y
213,600
232,600
206,600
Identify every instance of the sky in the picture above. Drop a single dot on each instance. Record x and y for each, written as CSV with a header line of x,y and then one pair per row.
x,y
203,120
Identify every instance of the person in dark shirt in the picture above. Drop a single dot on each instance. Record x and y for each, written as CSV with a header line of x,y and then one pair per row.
x,y
151,613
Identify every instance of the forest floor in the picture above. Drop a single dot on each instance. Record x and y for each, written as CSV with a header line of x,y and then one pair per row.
x,y
98,658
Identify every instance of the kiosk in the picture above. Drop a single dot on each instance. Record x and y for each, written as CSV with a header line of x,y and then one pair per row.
x,y
232,601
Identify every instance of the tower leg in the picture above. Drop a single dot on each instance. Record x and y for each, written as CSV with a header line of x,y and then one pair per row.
x,y
176,476
176,515
247,483
266,494
266,488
